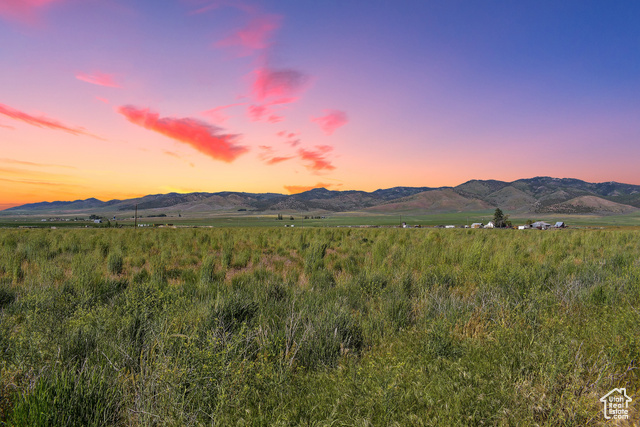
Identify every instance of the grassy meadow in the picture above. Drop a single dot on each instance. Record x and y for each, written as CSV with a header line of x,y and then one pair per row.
x,y
324,326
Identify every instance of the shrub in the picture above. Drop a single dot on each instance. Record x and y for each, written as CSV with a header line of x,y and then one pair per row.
x,y
231,311
7,296
115,263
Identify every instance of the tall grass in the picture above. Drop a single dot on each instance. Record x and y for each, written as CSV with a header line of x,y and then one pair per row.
x,y
322,326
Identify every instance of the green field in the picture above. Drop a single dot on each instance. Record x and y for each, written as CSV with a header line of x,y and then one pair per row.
x,y
242,219
317,326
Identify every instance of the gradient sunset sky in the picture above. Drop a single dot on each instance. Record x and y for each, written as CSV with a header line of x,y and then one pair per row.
x,y
122,98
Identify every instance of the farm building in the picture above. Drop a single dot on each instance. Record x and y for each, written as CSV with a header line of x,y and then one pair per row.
x,y
477,225
540,225
560,224
490,224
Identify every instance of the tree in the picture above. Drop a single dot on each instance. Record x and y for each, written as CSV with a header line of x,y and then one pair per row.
x,y
500,219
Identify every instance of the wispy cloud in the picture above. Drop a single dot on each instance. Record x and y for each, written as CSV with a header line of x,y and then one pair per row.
x,y
272,89
178,156
6,126
332,120
98,78
315,159
267,111
263,113
279,159
47,183
42,122
256,35
268,156
24,11
282,84
40,165
290,138
206,138
217,115
295,189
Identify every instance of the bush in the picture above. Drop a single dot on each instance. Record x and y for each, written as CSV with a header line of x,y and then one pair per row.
x,y
115,263
7,296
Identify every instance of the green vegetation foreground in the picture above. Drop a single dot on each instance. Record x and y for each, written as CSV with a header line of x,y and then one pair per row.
x,y
316,327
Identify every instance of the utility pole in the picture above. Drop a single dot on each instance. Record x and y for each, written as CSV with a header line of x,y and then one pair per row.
x,y
135,223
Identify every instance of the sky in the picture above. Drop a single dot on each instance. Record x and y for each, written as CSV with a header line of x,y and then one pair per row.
x,y
116,99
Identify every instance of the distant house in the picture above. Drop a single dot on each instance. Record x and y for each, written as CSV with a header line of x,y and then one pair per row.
x,y
404,225
490,225
540,225
449,226
523,227
97,221
560,224
477,225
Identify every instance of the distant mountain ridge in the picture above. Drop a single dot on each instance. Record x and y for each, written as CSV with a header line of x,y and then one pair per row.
x,y
539,195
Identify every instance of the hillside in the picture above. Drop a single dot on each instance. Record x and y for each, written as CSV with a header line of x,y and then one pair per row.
x,y
533,195
446,200
590,204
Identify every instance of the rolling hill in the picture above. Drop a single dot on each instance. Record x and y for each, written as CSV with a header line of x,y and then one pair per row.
x,y
533,195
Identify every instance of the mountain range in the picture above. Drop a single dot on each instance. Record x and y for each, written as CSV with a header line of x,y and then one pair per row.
x,y
534,195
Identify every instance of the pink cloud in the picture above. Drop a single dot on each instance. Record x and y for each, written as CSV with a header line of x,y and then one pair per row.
x,y
266,111
315,159
42,122
6,126
101,99
281,84
216,114
274,88
255,36
25,11
332,120
289,137
256,112
98,78
204,137
268,157
278,159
